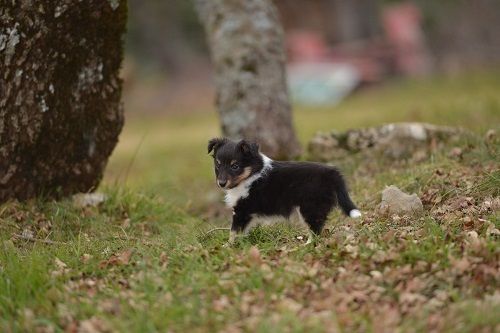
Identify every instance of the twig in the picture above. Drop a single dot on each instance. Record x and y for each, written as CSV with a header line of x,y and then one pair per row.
x,y
32,239
215,229
143,241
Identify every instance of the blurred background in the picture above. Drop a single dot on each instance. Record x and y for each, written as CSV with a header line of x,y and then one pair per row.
x,y
351,63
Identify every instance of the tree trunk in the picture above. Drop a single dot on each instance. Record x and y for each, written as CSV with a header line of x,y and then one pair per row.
x,y
246,42
60,110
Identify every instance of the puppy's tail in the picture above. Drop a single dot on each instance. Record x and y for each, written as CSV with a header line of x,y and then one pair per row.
x,y
344,201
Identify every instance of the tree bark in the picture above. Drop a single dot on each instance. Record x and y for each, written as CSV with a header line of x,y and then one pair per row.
x,y
246,42
60,109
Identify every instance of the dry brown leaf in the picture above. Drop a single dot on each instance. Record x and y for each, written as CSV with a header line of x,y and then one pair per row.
x,y
377,276
163,259
117,259
389,235
462,265
111,306
254,255
59,263
411,298
221,303
61,268
93,325
491,230
126,223
289,304
86,258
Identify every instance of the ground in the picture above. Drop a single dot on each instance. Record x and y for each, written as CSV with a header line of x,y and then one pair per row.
x,y
142,260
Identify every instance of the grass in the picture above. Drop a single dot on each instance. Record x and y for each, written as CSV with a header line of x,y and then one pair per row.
x,y
141,261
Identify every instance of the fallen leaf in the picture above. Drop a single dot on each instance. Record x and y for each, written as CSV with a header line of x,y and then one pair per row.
x,y
111,306
27,234
126,223
289,304
461,265
376,275
121,258
456,152
93,325
163,259
59,263
254,255
221,303
86,257
491,230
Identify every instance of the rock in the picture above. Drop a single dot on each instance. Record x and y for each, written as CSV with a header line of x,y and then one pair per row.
x,y
395,201
82,200
456,152
492,139
490,136
396,141
325,148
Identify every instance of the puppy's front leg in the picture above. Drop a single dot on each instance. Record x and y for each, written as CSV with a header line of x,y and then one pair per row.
x,y
240,221
232,237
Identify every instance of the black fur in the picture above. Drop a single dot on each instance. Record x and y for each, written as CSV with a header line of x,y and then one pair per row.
x,y
312,187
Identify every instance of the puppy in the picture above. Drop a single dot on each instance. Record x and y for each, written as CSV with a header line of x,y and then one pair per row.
x,y
257,187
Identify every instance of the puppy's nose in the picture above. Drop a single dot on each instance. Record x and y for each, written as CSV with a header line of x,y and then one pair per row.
x,y
222,183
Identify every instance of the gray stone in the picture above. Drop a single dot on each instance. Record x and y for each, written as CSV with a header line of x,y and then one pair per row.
x,y
395,141
395,201
82,200
326,148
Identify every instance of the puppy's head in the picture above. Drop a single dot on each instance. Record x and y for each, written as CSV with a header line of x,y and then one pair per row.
x,y
234,161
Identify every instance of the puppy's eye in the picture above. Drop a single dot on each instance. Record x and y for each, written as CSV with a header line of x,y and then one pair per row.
x,y
235,166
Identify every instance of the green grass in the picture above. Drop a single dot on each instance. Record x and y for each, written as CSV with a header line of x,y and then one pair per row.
x,y
141,262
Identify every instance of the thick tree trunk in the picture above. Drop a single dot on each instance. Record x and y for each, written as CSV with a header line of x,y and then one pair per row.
x,y
60,110
246,42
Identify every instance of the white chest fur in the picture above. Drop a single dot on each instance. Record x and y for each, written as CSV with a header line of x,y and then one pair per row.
x,y
241,191
237,193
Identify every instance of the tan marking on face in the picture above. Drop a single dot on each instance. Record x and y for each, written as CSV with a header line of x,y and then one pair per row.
x,y
233,161
244,175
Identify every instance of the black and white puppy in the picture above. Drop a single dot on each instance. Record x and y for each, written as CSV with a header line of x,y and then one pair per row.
x,y
258,187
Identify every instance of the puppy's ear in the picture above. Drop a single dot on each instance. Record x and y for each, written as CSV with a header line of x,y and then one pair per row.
x,y
214,144
248,148
255,147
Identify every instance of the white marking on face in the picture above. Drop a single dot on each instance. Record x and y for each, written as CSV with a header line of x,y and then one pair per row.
x,y
355,214
241,191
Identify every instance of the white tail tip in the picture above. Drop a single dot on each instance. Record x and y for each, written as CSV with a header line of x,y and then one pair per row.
x,y
355,214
